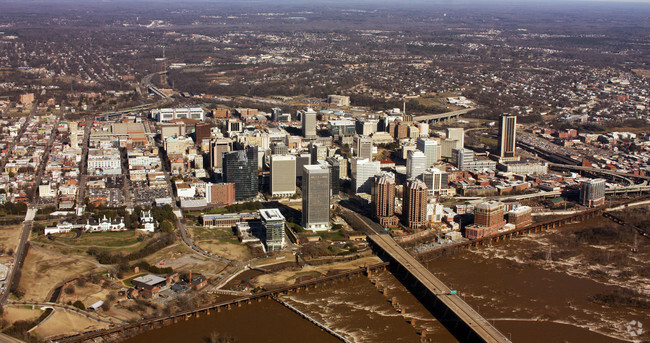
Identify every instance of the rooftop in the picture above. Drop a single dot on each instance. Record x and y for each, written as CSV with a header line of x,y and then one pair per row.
x,y
150,279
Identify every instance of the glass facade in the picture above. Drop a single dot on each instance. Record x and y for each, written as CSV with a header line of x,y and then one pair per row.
x,y
240,168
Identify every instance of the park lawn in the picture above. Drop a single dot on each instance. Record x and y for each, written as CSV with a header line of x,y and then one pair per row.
x,y
204,233
97,239
107,239
332,235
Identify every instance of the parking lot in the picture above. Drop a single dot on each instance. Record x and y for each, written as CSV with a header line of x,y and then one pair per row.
x,y
146,196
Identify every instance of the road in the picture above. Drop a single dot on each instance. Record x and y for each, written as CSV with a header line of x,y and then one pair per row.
x,y
83,168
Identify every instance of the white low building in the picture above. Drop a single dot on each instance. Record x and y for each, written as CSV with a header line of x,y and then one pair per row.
x,y
147,221
104,225
61,227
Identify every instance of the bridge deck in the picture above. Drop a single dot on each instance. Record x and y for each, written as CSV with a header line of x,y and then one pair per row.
x,y
445,115
475,321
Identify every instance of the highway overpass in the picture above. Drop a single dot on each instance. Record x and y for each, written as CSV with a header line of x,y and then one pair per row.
x,y
442,116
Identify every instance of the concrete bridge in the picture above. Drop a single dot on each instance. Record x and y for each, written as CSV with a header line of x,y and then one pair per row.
x,y
444,303
606,173
434,118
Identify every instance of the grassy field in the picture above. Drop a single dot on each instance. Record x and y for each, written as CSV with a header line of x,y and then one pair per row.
x,y
41,272
97,239
203,233
332,235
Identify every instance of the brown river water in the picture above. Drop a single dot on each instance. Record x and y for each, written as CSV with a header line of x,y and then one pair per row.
x,y
529,300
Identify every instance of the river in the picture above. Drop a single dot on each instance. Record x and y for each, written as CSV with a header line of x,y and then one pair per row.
x,y
528,298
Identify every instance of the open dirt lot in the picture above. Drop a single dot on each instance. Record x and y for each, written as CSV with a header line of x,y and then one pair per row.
x,y
9,236
228,248
181,258
14,313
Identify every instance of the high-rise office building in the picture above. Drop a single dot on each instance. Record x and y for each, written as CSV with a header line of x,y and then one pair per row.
x,y
301,161
276,112
318,152
457,134
240,168
273,222
365,126
447,146
201,132
383,199
461,158
308,117
592,192
234,126
464,159
414,204
283,175
278,116
342,166
363,147
335,175
507,137
218,147
415,163
363,170
431,150
437,181
315,198
279,149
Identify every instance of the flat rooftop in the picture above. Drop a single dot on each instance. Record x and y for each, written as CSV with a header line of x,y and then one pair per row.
x,y
150,279
271,214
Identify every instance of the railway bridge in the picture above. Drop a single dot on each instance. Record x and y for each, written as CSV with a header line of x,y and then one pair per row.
x,y
128,330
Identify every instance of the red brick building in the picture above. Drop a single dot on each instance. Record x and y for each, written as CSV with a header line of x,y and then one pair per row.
x,y
520,216
221,193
